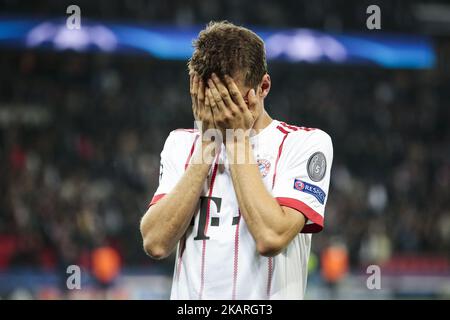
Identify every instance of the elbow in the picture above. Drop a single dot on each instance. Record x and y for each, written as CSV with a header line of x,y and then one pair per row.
x,y
154,250
152,247
270,246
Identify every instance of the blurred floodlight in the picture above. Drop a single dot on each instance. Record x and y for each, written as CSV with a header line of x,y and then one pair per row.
x,y
63,38
306,46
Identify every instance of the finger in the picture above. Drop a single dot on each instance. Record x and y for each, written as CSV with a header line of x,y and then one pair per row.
x,y
209,104
223,91
201,92
207,99
234,92
210,98
218,116
194,85
192,80
216,96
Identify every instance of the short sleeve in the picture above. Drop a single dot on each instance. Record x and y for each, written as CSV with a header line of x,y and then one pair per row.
x,y
303,177
171,166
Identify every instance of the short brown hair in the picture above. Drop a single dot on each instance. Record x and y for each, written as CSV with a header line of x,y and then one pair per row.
x,y
224,48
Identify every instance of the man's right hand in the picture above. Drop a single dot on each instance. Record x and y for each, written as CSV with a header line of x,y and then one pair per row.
x,y
211,137
200,106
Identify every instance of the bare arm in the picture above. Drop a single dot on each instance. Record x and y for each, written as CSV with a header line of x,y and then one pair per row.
x,y
272,226
166,221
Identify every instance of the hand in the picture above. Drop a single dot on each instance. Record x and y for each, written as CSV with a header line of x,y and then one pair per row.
x,y
201,110
203,113
228,106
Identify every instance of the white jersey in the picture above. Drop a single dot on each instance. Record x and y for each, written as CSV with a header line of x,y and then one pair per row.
x,y
217,257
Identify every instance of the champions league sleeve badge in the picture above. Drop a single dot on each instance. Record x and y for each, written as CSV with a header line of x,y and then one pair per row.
x,y
311,189
317,166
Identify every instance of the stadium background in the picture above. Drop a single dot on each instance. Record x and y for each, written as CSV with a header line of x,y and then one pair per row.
x,y
81,134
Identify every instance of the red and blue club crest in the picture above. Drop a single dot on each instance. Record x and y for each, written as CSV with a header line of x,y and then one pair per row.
x,y
264,166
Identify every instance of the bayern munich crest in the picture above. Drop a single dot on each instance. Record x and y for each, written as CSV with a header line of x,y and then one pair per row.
x,y
264,166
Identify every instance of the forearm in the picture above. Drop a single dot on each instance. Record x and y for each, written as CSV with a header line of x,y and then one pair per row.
x,y
166,221
266,220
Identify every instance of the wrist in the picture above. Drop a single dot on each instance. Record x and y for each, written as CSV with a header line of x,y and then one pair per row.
x,y
205,152
239,150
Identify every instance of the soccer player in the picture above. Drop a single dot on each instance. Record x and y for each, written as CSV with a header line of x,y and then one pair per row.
x,y
242,225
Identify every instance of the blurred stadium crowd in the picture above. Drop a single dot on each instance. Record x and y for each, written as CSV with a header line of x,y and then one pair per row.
x,y
81,135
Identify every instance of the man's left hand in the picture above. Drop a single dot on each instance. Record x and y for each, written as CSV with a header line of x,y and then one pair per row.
x,y
229,108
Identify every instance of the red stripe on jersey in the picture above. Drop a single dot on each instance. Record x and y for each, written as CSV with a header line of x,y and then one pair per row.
x,y
236,258
282,129
280,149
191,153
307,211
306,129
202,271
294,128
156,198
269,260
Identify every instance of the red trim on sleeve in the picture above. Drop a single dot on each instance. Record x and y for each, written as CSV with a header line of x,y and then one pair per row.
x,y
284,124
295,128
156,198
306,210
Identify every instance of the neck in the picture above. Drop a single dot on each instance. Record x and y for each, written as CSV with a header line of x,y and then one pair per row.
x,y
263,121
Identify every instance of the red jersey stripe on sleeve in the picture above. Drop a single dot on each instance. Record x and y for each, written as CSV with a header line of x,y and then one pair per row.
x,y
295,128
307,211
156,198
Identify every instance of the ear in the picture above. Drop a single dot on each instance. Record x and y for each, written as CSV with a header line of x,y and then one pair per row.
x,y
265,86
